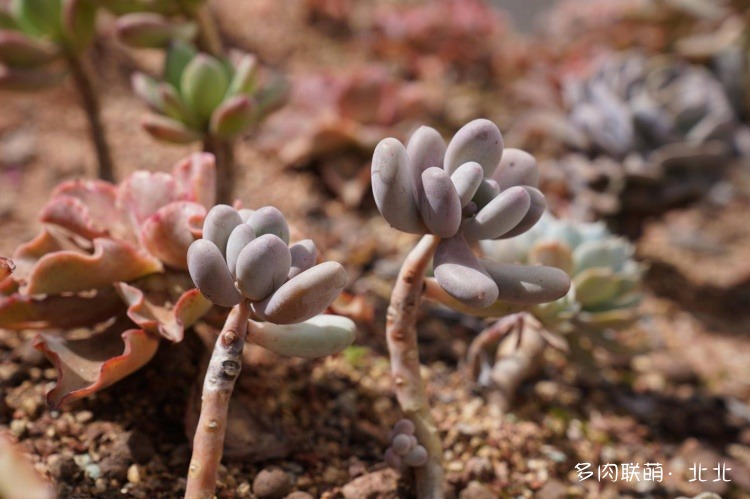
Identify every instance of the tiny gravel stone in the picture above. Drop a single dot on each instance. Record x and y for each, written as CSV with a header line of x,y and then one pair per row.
x,y
134,474
272,483
84,416
93,471
299,495
61,467
380,484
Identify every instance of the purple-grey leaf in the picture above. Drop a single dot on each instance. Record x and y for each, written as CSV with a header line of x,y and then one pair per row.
x,y
238,239
210,273
262,266
426,148
461,275
393,187
516,167
487,191
439,203
480,141
527,284
536,210
219,224
499,216
304,254
392,459
269,220
416,457
467,178
403,426
401,444
305,296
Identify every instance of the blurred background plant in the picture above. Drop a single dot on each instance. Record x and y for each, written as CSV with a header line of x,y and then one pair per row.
x,y
41,41
604,295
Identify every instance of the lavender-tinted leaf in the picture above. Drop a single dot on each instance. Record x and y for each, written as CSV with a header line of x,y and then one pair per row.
x,y
426,148
439,203
316,337
219,224
401,444
486,192
269,220
304,254
480,141
466,179
240,237
526,284
393,187
262,266
305,296
536,210
516,167
416,457
461,274
210,273
499,216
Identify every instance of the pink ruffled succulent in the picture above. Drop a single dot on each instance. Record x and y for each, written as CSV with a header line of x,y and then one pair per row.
x,y
112,258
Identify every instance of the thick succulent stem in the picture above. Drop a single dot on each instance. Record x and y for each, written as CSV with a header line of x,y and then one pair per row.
x,y
516,342
223,150
84,81
221,374
401,333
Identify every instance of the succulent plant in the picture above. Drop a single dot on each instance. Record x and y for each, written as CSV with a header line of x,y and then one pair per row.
x,y
6,267
202,97
470,190
18,478
115,256
404,449
40,42
604,294
244,261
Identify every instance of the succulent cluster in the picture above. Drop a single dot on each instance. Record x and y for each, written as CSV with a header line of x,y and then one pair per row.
x,y
404,450
203,96
246,255
470,190
605,277
112,254
36,34
162,7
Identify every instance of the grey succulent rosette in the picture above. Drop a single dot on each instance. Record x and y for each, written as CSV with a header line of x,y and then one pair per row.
x,y
471,190
245,254
604,274
404,450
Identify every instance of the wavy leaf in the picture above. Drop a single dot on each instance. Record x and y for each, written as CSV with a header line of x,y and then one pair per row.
x,y
28,254
112,261
89,365
166,234
157,313
19,311
196,179
141,194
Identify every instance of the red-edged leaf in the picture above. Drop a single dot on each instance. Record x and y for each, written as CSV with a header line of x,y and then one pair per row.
x,y
88,365
196,179
28,254
143,193
99,199
158,313
72,214
112,261
167,233
18,478
19,311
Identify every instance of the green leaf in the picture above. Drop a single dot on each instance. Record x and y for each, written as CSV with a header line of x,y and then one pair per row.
x,y
179,55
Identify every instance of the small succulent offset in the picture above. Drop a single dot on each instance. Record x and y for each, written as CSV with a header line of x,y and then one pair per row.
x,y
604,294
470,190
404,450
244,261
207,98
40,42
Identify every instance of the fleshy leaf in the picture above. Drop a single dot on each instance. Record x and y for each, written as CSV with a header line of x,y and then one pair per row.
x,y
112,261
18,478
158,314
479,140
269,220
19,311
393,187
426,148
196,178
241,236
166,234
527,284
262,266
316,337
28,254
73,215
461,274
89,365
536,210
499,216
6,267
219,224
210,273
304,296
439,203
28,80
467,178
142,194
516,167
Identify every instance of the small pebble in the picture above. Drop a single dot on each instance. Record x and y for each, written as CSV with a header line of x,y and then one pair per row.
x,y
134,474
272,483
